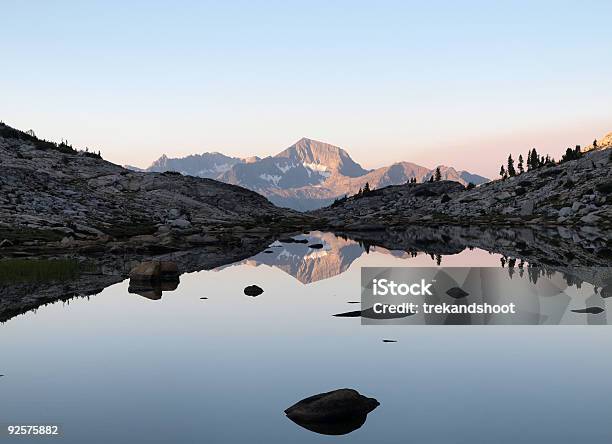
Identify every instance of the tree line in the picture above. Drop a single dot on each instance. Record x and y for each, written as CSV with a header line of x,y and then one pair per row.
x,y
40,144
535,161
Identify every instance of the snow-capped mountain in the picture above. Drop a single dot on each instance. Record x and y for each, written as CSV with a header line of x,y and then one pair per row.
x,y
307,175
307,163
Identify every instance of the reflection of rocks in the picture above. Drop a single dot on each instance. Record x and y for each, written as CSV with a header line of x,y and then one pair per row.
x,y
333,413
152,290
554,248
151,278
99,272
557,248
253,290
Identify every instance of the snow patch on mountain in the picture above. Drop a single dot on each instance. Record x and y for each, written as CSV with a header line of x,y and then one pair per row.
x,y
285,168
270,178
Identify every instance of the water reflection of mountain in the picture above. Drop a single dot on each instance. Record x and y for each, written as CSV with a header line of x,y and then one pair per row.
x,y
555,249
307,264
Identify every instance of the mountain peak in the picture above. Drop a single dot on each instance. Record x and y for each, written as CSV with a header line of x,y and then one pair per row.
x,y
313,152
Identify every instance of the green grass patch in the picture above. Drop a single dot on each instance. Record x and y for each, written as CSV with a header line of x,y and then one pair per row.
x,y
41,270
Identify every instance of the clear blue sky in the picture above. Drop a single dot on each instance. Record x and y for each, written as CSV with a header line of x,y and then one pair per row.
x,y
437,82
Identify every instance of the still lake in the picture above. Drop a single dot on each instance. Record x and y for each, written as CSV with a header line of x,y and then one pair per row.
x,y
121,368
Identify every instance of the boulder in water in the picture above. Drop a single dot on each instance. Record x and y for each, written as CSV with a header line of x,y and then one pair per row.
x,y
332,413
253,290
589,310
457,293
155,271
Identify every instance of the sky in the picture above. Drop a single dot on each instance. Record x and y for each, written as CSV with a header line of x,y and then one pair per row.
x,y
438,82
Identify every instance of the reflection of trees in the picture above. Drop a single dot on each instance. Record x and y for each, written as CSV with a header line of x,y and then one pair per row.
x,y
545,250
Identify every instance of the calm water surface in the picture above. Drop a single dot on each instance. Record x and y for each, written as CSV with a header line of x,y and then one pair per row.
x,y
121,368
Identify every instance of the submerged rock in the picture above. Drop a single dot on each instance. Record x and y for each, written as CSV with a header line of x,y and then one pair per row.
x,y
253,290
369,313
589,310
457,293
332,413
315,246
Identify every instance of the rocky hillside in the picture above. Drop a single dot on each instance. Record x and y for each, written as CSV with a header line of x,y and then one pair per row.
x,y
577,192
52,196
307,175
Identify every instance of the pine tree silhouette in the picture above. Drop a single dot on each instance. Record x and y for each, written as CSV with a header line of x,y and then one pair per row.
x,y
511,170
438,175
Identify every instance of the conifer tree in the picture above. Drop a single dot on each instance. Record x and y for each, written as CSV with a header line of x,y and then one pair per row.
x,y
438,175
521,169
502,172
511,170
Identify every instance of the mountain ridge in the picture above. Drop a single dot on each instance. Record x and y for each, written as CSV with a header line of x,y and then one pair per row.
x,y
307,175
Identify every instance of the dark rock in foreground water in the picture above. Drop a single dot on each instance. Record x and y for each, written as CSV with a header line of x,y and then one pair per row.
x,y
315,246
389,340
369,313
333,413
253,290
149,279
590,310
457,293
